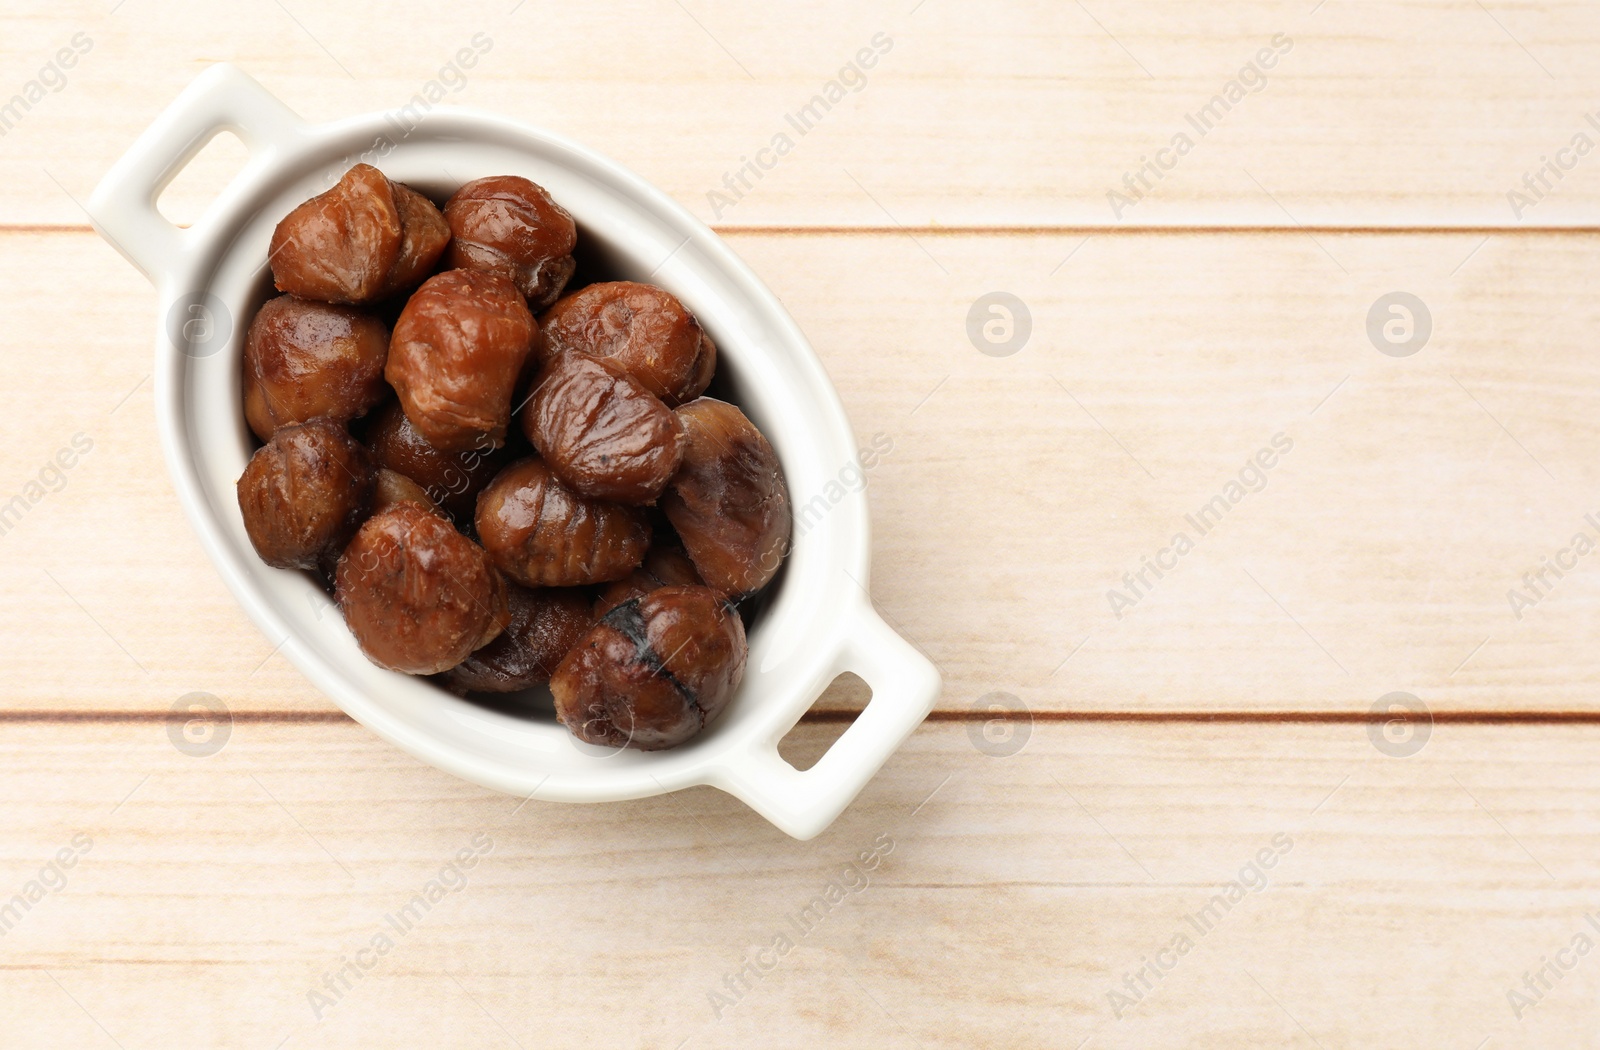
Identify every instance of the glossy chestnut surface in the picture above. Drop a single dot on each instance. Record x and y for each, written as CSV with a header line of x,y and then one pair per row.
x,y
729,501
654,671
642,329
366,238
304,492
389,488
304,359
665,565
508,225
601,431
546,622
496,568
457,351
451,479
541,533
418,596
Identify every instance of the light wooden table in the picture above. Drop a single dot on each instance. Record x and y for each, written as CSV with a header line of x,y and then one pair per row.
x,y
1108,884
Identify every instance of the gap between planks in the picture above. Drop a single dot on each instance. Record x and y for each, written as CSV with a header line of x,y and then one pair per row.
x,y
838,715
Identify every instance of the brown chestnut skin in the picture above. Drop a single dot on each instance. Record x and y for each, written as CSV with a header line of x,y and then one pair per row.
x,y
729,502
510,226
457,351
304,359
304,492
654,671
641,328
389,488
362,240
665,565
418,596
452,480
543,534
546,623
601,431
424,236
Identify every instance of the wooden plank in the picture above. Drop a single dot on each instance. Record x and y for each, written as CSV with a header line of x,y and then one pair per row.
x,y
1032,114
1020,490
1405,896
1379,556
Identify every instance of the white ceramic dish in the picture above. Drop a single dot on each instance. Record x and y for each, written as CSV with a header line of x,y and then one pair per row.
x,y
819,622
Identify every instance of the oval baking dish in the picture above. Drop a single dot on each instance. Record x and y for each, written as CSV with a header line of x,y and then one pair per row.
x,y
818,620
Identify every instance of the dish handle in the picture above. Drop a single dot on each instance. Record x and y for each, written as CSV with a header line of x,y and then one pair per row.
x,y
904,687
123,207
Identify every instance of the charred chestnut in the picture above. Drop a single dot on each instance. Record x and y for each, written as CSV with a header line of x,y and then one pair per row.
x,y
509,226
665,565
543,534
729,502
458,348
304,359
418,596
451,479
653,672
389,488
304,492
362,240
546,623
641,328
601,431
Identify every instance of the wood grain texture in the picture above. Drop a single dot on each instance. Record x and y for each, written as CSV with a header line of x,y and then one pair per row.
x,y
1013,900
1020,490
1023,112
1405,898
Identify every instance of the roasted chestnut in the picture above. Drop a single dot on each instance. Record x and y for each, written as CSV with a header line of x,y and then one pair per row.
x,y
543,534
304,359
362,240
546,622
304,492
729,502
654,671
641,328
451,479
509,226
601,431
457,350
389,488
665,565
418,596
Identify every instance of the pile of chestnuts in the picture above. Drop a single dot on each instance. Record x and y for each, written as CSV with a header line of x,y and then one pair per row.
x,y
516,484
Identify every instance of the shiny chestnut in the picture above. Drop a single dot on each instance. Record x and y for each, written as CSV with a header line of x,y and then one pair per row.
x,y
389,488
510,226
457,351
304,492
418,596
601,431
304,359
729,502
642,329
363,240
451,479
665,565
546,622
543,534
